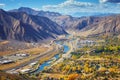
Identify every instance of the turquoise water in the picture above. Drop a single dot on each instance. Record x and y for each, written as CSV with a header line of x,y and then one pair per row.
x,y
66,49
42,66
47,63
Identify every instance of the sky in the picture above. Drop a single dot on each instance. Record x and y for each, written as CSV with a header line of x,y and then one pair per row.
x,y
69,7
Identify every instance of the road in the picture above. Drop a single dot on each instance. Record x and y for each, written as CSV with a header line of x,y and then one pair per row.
x,y
41,55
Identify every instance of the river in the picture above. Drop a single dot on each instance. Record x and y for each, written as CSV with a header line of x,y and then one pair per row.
x,y
48,63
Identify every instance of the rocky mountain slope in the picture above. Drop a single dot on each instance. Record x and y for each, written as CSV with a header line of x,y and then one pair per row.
x,y
109,25
67,21
94,25
24,27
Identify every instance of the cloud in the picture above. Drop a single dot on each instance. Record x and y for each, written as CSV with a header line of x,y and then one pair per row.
x,y
36,9
1,4
72,3
68,4
72,6
111,1
103,1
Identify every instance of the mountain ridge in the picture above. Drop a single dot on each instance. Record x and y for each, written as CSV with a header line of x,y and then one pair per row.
x,y
88,26
24,27
106,25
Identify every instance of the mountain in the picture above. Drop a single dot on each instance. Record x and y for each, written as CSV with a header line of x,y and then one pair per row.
x,y
66,21
87,26
86,14
63,20
56,17
73,23
23,27
35,12
109,25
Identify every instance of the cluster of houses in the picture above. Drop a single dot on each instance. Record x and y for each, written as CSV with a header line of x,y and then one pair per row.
x,y
17,56
5,60
27,69
86,43
21,54
12,58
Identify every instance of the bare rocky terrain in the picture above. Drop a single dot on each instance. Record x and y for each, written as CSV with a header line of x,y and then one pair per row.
x,y
84,26
23,27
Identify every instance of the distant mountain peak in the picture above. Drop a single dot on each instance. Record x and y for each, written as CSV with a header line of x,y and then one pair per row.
x,y
2,11
24,8
34,12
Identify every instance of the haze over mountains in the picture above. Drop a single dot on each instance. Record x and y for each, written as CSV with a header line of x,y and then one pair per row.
x,y
26,24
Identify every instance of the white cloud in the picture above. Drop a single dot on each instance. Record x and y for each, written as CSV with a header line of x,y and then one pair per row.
x,y
110,1
103,1
36,9
69,3
1,4
74,3
73,6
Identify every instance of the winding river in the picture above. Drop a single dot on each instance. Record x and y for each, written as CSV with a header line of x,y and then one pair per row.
x,y
48,63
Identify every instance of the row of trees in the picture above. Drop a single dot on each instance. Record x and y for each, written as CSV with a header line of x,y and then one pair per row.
x,y
107,49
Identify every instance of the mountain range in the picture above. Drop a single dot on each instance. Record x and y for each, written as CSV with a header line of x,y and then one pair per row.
x,y
35,12
24,27
109,25
91,25
66,21
26,24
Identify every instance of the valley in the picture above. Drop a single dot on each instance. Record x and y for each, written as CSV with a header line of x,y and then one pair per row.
x,y
71,57
89,62
46,45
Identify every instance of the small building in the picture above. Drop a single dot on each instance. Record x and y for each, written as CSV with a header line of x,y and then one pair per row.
x,y
13,71
32,64
6,61
22,55
25,70
86,43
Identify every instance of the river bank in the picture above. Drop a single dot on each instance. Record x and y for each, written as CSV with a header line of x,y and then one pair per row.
x,y
52,60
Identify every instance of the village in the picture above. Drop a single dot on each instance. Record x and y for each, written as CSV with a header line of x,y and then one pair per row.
x,y
13,58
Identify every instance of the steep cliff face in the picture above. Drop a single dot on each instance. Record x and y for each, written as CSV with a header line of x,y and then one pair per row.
x,y
24,27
